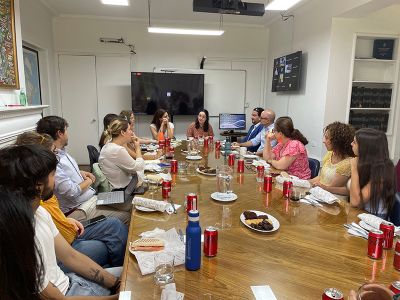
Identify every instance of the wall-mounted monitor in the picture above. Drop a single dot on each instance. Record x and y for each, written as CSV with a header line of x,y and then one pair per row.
x,y
232,121
287,72
178,93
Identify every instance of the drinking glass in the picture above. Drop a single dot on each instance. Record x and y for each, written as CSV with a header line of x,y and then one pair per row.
x,y
164,268
182,167
226,217
224,179
152,185
373,291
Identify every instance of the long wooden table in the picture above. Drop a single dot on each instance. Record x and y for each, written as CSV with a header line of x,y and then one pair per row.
x,y
311,250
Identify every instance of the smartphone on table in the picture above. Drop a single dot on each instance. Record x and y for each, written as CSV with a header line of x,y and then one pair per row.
x,y
93,221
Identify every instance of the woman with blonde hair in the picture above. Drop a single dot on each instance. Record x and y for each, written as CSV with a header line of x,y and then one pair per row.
x,y
115,162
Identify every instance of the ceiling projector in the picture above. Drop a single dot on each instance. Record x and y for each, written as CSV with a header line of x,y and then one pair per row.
x,y
234,7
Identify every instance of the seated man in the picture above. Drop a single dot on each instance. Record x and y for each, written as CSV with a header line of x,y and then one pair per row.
x,y
72,188
30,170
267,121
254,129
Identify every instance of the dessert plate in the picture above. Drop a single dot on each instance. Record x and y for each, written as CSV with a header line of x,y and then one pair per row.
x,y
205,173
193,157
223,197
274,221
253,156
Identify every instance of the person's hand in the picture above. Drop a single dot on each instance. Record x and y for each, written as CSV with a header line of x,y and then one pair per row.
x,y
77,225
317,183
269,136
165,121
91,176
372,291
235,144
136,143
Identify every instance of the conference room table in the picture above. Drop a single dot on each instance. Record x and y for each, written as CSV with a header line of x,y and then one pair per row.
x,y
311,251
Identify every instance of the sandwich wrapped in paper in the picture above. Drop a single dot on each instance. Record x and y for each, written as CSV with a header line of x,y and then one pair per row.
x,y
147,244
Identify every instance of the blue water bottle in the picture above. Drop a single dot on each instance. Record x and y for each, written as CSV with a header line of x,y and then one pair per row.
x,y
227,147
193,242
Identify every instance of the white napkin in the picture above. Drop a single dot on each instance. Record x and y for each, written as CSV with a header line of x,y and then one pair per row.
x,y
296,181
370,220
165,176
308,200
263,292
323,196
169,293
152,233
261,162
173,244
126,295
155,204
152,167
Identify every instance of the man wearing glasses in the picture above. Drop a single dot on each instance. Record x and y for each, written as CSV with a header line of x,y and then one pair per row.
x,y
267,119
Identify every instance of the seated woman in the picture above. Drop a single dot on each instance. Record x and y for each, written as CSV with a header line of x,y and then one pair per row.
x,y
130,117
161,123
108,118
289,154
336,170
201,127
115,162
372,184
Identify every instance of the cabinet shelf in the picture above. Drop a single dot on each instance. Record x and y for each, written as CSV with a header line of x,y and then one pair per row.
x,y
375,60
371,108
372,82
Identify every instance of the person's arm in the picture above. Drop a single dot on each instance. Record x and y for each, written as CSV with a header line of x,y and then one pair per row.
x,y
131,150
267,153
314,180
210,130
81,264
53,293
284,163
77,225
66,187
170,129
127,163
337,186
190,131
154,132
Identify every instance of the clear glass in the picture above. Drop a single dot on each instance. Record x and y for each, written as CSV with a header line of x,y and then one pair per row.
x,y
226,217
260,175
224,179
297,194
164,268
152,186
193,147
182,167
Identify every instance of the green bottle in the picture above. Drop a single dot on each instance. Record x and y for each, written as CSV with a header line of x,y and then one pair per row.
x,y
22,98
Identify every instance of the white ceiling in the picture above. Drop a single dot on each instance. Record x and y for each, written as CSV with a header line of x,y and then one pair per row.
x,y
161,10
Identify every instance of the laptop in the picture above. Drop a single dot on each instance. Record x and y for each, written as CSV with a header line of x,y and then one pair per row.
x,y
120,197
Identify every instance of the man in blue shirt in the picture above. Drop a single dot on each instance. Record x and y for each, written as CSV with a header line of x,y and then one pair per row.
x,y
254,129
267,121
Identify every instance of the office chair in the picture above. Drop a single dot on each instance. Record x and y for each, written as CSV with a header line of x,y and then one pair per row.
x,y
314,166
395,215
93,155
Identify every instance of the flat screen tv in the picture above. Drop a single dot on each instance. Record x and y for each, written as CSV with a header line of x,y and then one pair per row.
x,y
232,121
287,73
177,93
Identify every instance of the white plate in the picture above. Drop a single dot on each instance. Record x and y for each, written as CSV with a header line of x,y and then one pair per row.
x,y
274,221
142,208
193,157
232,152
253,156
225,197
206,174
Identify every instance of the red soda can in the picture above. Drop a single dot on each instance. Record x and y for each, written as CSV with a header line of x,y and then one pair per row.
x,y
395,287
396,260
287,188
267,183
388,234
240,167
167,143
332,294
174,166
191,202
217,145
210,241
231,159
375,244
166,189
206,141
260,173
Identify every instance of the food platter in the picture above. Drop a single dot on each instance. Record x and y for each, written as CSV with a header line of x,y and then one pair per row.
x,y
274,221
202,172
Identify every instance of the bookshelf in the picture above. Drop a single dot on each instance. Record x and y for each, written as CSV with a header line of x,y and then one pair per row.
x,y
373,84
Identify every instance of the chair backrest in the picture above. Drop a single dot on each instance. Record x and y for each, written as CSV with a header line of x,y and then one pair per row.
x,y
102,184
395,215
93,155
314,166
398,175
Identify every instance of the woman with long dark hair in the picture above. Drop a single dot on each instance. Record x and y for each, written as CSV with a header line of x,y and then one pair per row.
x,y
161,124
372,185
290,153
336,170
201,126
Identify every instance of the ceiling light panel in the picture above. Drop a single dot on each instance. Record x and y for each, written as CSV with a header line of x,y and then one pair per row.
x,y
281,4
116,2
167,30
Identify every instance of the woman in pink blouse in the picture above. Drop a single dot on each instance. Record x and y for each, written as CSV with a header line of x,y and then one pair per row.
x,y
200,127
289,154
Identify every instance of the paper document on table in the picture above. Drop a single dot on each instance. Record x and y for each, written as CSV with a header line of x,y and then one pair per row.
x,y
173,244
263,292
125,295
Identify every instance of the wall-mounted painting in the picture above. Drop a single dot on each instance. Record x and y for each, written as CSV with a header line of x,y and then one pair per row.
x,y
32,76
8,47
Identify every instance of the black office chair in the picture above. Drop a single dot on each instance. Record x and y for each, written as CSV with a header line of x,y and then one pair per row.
x,y
314,167
395,215
93,155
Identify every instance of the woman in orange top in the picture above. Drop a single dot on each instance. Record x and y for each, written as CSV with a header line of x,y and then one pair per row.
x,y
201,127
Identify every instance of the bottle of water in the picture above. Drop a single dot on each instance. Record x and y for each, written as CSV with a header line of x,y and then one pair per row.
x,y
22,98
227,147
193,242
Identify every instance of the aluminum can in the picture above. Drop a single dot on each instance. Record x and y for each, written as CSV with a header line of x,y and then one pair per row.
x,y
287,189
206,141
396,256
388,234
375,244
260,173
231,159
240,166
395,287
174,166
167,143
267,183
166,189
191,202
210,241
217,145
332,294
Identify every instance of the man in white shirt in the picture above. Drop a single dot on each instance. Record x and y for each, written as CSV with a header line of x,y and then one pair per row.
x,y
72,186
31,171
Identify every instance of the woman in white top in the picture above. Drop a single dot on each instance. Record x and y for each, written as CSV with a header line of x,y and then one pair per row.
x,y
115,161
162,124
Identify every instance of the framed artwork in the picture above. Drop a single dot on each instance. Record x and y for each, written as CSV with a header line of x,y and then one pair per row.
x,y
32,76
8,50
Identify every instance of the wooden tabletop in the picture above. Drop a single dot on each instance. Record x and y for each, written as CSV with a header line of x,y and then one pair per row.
x,y
310,252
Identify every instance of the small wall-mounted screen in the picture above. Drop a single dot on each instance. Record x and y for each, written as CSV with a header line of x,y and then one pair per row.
x,y
287,73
